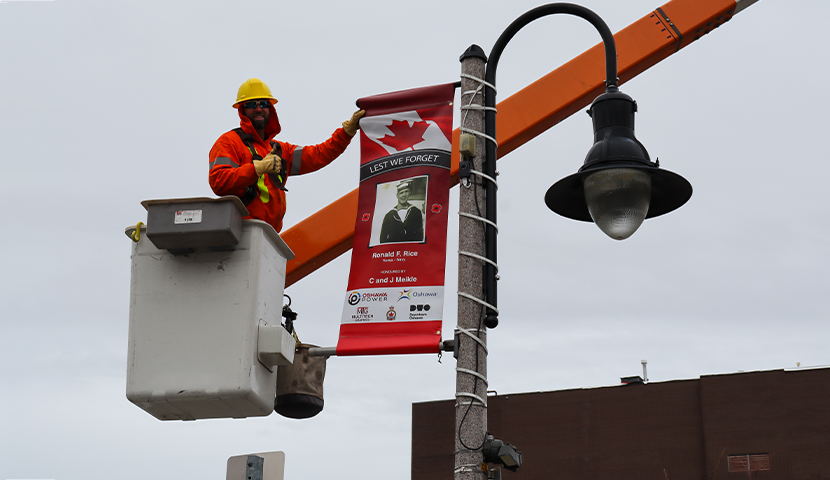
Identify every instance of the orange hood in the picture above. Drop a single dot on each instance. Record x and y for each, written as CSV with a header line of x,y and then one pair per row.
x,y
271,130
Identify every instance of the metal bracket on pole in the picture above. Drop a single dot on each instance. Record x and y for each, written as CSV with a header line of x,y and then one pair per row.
x,y
322,352
254,467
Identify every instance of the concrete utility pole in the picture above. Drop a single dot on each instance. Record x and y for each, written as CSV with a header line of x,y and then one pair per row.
x,y
471,365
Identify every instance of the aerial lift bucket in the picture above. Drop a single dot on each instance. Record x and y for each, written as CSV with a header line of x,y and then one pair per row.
x,y
206,289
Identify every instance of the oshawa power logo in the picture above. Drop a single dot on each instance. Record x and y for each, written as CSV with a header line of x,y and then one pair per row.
x,y
356,297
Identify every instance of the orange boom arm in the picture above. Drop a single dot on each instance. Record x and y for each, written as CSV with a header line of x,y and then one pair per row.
x,y
327,234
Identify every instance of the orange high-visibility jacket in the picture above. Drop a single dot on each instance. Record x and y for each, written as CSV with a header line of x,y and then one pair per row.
x,y
232,169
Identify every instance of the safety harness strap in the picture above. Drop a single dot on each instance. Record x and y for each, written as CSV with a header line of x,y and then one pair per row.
x,y
277,179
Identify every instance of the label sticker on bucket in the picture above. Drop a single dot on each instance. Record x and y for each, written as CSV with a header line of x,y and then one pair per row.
x,y
188,216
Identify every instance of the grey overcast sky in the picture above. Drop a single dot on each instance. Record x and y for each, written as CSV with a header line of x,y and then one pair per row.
x,y
104,104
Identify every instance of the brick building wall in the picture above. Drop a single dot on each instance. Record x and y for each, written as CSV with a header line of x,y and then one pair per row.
x,y
776,423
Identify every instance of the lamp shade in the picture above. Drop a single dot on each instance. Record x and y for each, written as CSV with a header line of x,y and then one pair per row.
x,y
616,149
618,199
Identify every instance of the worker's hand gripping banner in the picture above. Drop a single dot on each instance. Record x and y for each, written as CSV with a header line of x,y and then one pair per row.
x,y
395,297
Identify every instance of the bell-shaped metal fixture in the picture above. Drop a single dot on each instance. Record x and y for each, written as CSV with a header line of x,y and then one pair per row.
x,y
618,186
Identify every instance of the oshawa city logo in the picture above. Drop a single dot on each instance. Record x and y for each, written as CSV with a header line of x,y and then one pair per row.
x,y
356,297
410,294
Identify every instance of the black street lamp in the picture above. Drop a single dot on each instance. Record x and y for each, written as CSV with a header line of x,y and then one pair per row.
x,y
617,187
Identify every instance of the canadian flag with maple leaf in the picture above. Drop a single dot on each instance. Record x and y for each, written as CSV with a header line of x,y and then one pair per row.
x,y
401,132
395,297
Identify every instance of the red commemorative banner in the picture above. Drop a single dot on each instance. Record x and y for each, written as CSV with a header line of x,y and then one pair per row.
x,y
395,297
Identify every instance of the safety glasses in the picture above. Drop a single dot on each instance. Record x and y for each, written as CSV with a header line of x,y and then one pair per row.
x,y
254,103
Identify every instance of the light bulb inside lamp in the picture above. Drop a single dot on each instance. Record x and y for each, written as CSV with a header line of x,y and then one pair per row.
x,y
618,200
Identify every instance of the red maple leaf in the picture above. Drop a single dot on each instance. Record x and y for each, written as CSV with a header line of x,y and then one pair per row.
x,y
403,136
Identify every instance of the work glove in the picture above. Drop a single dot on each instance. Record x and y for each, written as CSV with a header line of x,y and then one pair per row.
x,y
351,125
270,164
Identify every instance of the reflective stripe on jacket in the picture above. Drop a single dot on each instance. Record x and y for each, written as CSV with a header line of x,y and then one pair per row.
x,y
232,170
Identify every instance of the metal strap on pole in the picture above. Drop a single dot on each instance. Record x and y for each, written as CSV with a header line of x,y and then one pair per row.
x,y
253,469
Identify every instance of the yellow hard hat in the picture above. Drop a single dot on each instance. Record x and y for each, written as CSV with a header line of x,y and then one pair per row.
x,y
253,89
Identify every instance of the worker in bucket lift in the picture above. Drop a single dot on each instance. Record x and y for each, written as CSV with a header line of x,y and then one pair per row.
x,y
249,163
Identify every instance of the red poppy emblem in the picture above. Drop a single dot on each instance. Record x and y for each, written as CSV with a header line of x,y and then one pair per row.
x,y
436,208
366,217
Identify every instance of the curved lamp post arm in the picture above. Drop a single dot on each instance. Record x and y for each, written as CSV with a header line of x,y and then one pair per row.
x,y
491,319
551,9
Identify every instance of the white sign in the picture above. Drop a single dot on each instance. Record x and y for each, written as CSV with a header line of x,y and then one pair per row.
x,y
397,304
188,216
